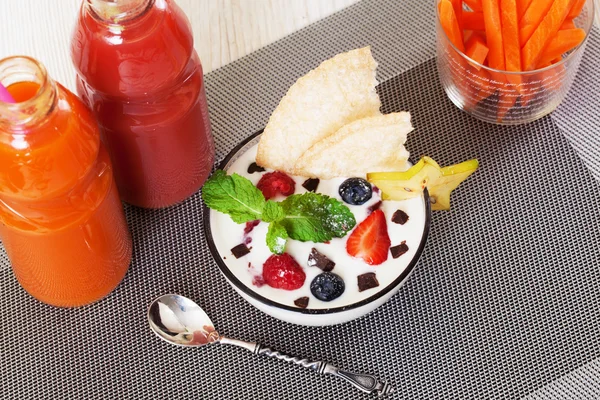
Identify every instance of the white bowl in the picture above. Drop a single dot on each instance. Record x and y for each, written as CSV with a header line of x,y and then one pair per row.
x,y
307,316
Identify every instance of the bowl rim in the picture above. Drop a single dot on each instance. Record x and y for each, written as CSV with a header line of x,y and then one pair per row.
x,y
254,295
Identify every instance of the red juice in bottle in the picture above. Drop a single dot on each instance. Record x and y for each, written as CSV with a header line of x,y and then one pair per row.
x,y
139,73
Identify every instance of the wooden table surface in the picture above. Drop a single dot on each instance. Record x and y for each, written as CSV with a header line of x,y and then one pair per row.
x,y
224,30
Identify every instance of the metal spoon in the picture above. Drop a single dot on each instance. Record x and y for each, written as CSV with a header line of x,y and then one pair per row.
x,y
180,321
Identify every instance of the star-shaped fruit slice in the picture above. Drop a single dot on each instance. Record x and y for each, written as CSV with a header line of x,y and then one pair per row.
x,y
440,182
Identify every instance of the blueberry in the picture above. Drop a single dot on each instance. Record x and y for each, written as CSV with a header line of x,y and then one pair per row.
x,y
327,286
356,191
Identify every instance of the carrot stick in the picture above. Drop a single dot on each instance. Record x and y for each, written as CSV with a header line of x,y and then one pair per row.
x,y
493,31
562,42
471,89
458,11
522,6
550,62
568,24
467,35
474,5
483,83
473,21
480,88
510,35
576,9
533,16
505,102
551,79
543,34
480,34
510,39
476,50
450,24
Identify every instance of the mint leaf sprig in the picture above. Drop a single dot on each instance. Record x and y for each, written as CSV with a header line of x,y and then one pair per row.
x,y
305,217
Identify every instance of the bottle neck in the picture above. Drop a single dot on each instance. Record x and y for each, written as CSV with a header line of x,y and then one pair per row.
x,y
32,107
116,12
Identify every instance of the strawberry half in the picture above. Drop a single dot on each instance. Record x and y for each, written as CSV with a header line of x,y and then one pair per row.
x,y
370,240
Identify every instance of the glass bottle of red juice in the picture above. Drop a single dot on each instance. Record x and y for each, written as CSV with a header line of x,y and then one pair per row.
x,y
139,72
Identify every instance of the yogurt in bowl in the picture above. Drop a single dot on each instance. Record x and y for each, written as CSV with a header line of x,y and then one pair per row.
x,y
240,251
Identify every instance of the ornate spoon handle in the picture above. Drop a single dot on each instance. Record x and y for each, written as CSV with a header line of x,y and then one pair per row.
x,y
365,382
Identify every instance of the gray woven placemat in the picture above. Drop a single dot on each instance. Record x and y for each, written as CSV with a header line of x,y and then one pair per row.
x,y
581,384
504,301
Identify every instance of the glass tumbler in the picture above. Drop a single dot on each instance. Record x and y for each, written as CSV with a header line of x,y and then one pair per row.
x,y
502,97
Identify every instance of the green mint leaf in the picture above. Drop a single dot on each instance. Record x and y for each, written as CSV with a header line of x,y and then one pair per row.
x,y
233,195
316,217
305,217
272,212
276,238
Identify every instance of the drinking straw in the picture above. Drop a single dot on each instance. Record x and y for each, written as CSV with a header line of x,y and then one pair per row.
x,y
5,96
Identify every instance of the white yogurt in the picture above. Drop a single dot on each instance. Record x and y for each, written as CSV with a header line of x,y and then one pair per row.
x,y
227,234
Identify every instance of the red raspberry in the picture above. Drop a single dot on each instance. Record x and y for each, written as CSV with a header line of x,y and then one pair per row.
x,y
251,225
272,183
283,272
258,281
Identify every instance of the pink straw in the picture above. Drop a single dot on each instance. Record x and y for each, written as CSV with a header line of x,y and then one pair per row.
x,y
5,96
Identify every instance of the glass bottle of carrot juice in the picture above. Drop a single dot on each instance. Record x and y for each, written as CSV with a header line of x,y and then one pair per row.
x,y
139,72
61,220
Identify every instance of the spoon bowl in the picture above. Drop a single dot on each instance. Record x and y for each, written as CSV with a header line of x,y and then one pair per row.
x,y
180,321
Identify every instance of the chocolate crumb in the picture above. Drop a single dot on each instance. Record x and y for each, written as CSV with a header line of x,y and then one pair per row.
x,y
397,251
254,167
240,250
249,265
367,281
400,217
375,206
317,259
311,184
301,302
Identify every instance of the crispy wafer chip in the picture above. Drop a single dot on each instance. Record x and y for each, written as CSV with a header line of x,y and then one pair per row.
x,y
337,92
369,144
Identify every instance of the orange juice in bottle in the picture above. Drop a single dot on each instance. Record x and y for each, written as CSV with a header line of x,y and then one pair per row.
x,y
61,220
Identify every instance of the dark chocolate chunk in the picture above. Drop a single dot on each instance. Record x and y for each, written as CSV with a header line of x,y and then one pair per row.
x,y
240,250
400,217
375,206
311,184
367,281
254,167
317,259
301,302
397,251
